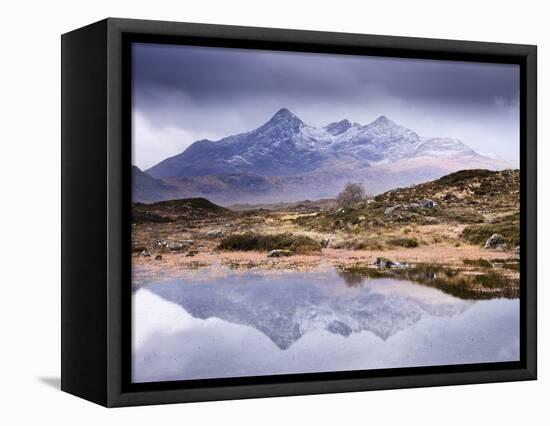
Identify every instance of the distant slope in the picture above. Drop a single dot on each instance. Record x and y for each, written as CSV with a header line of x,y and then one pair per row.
x,y
146,189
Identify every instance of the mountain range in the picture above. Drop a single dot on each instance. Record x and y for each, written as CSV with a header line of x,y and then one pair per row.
x,y
288,160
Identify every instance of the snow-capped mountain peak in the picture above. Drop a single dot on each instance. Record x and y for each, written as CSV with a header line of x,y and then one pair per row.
x,y
286,146
284,118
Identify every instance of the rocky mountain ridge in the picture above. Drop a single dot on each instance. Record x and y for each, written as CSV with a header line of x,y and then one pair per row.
x,y
288,160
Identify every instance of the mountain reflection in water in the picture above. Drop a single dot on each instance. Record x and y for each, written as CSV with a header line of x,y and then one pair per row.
x,y
250,323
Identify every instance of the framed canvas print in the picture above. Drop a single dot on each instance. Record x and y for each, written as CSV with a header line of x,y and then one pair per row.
x,y
252,212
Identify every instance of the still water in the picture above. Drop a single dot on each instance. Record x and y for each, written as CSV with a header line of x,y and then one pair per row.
x,y
261,323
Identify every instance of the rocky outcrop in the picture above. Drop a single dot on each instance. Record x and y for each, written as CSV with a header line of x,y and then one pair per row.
x,y
496,242
426,203
389,211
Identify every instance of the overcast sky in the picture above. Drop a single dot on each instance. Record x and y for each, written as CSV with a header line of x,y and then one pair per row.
x,y
183,93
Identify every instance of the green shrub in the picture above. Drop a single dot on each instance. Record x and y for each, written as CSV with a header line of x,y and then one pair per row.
x,y
361,244
478,234
460,215
299,244
403,242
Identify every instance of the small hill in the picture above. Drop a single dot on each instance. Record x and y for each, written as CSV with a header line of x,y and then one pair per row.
x,y
497,189
168,211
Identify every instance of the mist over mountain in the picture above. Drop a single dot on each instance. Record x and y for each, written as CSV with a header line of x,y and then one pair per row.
x,y
288,160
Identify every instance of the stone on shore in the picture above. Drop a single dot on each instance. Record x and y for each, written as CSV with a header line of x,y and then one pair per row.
x,y
279,253
383,262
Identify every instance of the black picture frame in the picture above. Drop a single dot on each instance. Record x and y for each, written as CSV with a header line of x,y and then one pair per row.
x,y
96,197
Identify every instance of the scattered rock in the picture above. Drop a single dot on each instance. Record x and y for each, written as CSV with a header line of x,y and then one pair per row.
x,y
389,211
279,253
158,257
145,253
217,233
361,218
414,206
160,243
175,246
426,203
496,241
384,262
188,242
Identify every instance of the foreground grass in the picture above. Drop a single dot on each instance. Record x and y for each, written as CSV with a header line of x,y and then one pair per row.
x,y
508,227
403,242
482,263
298,244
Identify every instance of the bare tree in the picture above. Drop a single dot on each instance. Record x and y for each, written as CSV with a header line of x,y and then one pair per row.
x,y
352,193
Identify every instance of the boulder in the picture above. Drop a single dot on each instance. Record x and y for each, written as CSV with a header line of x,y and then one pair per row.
x,y
383,262
145,253
496,241
175,246
389,211
216,233
426,203
279,253
325,242
158,257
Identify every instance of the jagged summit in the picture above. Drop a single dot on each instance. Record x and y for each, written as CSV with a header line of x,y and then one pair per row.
x,y
284,114
285,117
383,123
339,127
383,120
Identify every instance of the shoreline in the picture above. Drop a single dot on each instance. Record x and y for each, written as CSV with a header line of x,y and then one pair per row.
x,y
175,264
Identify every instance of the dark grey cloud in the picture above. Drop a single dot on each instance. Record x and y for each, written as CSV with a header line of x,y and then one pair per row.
x,y
207,74
213,92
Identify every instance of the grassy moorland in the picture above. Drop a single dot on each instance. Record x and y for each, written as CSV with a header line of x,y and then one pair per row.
x,y
443,223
